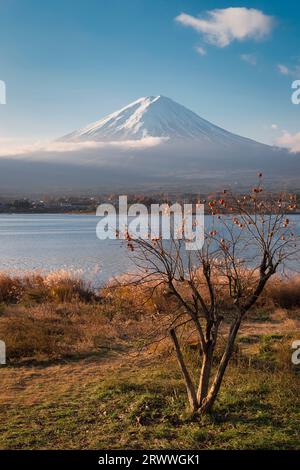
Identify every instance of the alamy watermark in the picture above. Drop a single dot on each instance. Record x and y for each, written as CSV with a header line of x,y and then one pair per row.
x,y
296,93
163,221
296,353
2,92
2,353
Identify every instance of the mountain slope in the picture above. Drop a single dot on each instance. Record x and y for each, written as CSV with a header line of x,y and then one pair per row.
x,y
153,143
153,117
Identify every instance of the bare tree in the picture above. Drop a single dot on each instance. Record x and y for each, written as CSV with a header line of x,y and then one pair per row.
x,y
211,290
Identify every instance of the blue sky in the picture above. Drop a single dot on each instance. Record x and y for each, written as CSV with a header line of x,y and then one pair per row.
x,y
67,63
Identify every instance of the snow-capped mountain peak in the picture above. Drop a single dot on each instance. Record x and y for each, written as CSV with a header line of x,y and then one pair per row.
x,y
152,116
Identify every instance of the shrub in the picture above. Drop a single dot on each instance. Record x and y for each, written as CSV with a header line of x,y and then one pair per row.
x,y
25,337
11,289
60,286
285,293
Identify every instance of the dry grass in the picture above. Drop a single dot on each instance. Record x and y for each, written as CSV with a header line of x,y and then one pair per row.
x,y
59,315
51,331
59,286
46,318
285,293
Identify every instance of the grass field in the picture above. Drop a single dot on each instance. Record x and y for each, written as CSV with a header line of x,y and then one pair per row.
x,y
139,402
86,387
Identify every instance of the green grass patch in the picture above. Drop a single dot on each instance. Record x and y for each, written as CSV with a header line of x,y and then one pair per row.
x,y
145,407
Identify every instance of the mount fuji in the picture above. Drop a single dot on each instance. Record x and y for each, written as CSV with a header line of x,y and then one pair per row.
x,y
154,116
153,143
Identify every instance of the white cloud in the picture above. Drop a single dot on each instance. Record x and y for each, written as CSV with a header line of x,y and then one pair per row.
x,y
200,50
222,26
274,126
250,58
290,141
289,71
12,149
283,69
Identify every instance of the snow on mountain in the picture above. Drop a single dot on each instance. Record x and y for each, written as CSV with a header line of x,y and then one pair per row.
x,y
127,151
153,116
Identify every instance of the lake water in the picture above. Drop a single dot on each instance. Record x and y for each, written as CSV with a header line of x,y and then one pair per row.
x,y
51,242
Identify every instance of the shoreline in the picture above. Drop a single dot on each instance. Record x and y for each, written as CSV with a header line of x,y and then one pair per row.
x,y
94,213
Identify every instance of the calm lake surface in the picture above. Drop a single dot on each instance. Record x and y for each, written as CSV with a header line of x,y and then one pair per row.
x,y
52,242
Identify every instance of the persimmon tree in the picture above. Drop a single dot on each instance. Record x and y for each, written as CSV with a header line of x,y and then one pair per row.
x,y
248,239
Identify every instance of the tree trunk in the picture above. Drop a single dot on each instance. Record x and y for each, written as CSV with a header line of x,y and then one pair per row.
x,y
208,403
190,387
205,374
